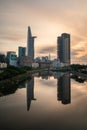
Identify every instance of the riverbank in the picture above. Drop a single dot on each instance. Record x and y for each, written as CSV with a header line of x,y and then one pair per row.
x,y
15,80
13,75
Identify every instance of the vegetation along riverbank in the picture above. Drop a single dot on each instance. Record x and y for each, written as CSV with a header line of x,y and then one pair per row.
x,y
14,75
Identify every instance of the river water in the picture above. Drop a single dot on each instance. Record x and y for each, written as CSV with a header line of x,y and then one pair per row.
x,y
49,101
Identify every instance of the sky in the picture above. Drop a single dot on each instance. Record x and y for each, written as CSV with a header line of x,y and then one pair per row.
x,y
48,19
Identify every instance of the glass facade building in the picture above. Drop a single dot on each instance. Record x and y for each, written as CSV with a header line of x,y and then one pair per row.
x,y
63,48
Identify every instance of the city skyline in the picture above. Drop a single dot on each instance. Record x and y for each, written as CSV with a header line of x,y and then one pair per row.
x,y
48,19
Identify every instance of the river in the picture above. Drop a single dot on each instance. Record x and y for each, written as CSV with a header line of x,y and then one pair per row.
x,y
49,101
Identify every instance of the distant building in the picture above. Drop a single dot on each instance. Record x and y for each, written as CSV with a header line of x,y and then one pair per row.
x,y
44,58
63,48
56,64
49,58
21,51
30,44
12,58
25,61
35,65
45,64
2,58
3,65
37,59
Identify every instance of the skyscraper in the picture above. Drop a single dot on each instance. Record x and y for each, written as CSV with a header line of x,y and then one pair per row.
x,y
21,51
30,44
63,48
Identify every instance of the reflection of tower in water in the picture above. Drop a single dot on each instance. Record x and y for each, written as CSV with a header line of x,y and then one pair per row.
x,y
63,89
30,92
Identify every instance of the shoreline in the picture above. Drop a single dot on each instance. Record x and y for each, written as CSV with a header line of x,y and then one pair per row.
x,y
19,78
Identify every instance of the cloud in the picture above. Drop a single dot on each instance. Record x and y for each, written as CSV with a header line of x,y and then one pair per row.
x,y
84,58
79,56
48,19
11,37
79,52
48,49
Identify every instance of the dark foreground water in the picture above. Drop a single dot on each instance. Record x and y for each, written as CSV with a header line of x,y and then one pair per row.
x,y
53,102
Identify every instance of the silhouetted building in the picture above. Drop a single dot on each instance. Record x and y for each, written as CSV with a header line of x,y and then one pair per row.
x,y
30,44
30,92
63,48
21,51
2,58
63,89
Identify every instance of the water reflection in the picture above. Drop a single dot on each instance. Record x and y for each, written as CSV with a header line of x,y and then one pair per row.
x,y
45,75
63,89
51,96
30,92
78,78
63,85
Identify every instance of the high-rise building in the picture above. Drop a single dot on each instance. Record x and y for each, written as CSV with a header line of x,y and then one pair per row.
x,y
12,58
30,44
63,48
21,51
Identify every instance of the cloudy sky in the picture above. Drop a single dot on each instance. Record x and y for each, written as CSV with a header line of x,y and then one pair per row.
x,y
47,19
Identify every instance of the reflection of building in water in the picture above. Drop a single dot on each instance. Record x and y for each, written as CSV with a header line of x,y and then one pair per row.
x,y
63,89
58,74
30,92
45,74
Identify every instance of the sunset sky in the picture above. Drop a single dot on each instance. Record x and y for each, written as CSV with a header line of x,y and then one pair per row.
x,y
47,19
